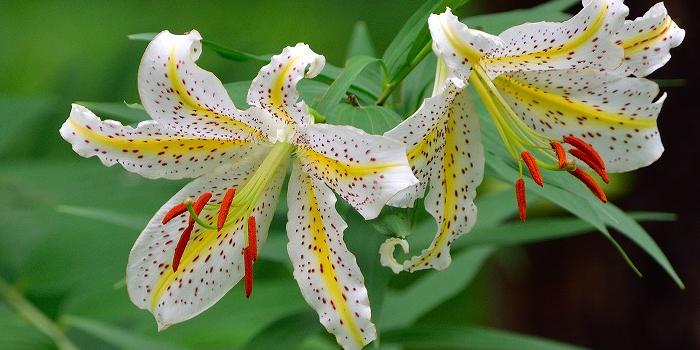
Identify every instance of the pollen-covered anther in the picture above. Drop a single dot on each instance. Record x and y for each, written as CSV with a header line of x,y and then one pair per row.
x,y
586,148
590,183
252,237
197,207
591,163
520,197
248,271
225,206
532,167
175,211
561,153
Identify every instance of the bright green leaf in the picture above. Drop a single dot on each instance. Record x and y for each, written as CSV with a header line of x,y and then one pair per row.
x,y
338,89
115,336
374,120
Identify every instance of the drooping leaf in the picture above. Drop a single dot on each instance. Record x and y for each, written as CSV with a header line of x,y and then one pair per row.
x,y
338,89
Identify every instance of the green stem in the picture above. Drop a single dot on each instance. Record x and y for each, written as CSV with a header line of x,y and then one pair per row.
x,y
42,322
396,81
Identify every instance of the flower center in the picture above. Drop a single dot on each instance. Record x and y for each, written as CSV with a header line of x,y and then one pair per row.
x,y
535,150
236,206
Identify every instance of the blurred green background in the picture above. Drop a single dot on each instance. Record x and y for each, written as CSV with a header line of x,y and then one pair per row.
x,y
54,53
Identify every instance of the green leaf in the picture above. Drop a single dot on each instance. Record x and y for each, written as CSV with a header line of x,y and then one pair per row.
x,y
115,336
121,111
338,89
541,229
495,23
142,36
232,54
412,34
130,221
374,120
470,337
404,307
222,50
360,42
286,333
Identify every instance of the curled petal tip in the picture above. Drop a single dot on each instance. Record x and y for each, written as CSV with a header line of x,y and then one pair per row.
x,y
386,250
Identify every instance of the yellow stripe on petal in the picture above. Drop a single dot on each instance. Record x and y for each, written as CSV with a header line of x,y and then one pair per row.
x,y
327,273
274,88
567,106
197,108
212,262
149,149
582,41
188,99
365,170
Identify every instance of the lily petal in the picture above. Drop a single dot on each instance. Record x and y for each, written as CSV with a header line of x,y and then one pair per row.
x,y
274,89
615,114
454,169
459,46
584,41
365,170
212,262
150,150
647,41
190,100
327,273
422,133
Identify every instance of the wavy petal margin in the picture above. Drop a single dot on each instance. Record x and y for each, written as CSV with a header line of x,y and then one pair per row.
x,y
647,41
327,273
365,170
274,89
190,100
150,150
454,169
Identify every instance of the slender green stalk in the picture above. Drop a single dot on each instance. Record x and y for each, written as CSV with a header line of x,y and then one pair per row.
x,y
390,86
42,322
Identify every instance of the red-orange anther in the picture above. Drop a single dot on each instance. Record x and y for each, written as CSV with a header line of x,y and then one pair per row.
x,y
248,271
175,211
225,206
586,148
590,183
591,163
532,167
181,245
561,153
520,197
252,237
199,204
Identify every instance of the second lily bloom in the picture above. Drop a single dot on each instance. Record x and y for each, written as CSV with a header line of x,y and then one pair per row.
x,y
561,96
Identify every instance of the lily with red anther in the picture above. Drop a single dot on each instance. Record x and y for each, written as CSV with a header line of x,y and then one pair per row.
x,y
206,238
551,84
560,97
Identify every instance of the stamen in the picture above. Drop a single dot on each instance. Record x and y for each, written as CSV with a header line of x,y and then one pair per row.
x,y
591,163
248,271
561,153
532,167
175,211
181,245
185,237
586,148
199,204
225,206
520,197
590,183
252,237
